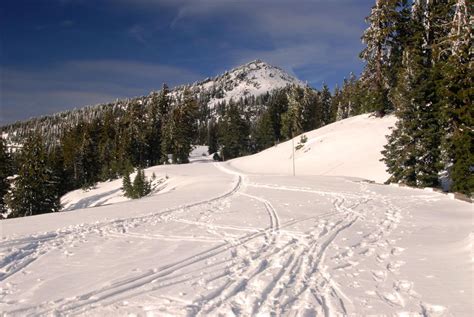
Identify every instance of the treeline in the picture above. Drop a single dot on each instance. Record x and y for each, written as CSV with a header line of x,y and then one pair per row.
x,y
99,150
160,130
419,65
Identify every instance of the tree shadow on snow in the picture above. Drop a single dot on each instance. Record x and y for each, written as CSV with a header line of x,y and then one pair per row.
x,y
93,201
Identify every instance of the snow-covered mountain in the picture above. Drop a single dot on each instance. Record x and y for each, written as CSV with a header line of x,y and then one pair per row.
x,y
251,79
236,239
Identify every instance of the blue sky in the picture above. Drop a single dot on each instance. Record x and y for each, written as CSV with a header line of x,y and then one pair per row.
x,y
61,54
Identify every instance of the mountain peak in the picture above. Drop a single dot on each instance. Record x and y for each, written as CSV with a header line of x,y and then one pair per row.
x,y
253,78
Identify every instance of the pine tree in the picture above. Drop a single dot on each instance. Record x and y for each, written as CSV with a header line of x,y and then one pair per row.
x,y
292,120
108,147
212,136
60,173
312,111
157,114
89,163
336,113
233,133
277,105
264,134
457,92
378,38
182,128
141,186
326,106
412,154
35,189
167,135
127,186
135,145
5,172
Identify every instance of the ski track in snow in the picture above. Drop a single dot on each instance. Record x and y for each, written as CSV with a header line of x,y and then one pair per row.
x,y
269,271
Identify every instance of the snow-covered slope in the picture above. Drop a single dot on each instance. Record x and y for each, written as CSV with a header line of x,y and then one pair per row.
x,y
349,147
251,79
232,240
110,192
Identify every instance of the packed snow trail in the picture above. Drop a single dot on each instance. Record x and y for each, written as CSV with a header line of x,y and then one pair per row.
x,y
223,242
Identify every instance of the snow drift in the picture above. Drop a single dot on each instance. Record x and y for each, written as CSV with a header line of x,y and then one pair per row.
x,y
350,147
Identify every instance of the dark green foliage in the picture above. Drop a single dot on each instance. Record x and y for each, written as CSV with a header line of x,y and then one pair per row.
x,y
212,137
180,129
6,170
141,185
157,114
277,106
379,39
108,154
292,120
233,133
127,185
413,152
457,91
135,143
433,100
264,132
327,114
36,188
89,164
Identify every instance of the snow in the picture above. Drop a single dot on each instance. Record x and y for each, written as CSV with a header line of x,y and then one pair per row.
x,y
247,238
349,147
254,78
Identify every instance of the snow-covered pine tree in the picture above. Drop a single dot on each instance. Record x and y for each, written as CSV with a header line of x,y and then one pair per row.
x,y
457,92
157,113
412,154
378,39
292,119
135,145
233,133
311,111
35,188
328,113
108,155
184,116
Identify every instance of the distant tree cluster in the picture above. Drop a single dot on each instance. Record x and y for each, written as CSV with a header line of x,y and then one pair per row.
x,y
103,148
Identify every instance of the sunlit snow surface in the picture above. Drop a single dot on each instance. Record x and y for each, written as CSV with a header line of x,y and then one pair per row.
x,y
246,238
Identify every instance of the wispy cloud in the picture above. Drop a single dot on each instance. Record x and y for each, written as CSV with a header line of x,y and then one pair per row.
x,y
139,33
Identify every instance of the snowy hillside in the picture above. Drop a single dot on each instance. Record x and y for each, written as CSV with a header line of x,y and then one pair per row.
x,y
245,238
251,79
349,147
